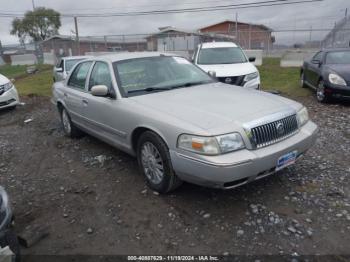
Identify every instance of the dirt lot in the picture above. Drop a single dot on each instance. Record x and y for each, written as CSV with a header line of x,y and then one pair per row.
x,y
100,205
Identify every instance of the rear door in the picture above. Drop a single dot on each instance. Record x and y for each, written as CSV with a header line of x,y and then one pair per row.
x,y
76,91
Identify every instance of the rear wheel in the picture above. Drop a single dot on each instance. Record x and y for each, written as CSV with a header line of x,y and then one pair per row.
x,y
302,80
68,126
321,95
155,164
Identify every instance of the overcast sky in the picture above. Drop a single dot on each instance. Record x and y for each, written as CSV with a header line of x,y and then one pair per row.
x,y
300,16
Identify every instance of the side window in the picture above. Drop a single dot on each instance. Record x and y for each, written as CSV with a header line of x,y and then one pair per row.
x,y
78,77
60,64
318,56
100,75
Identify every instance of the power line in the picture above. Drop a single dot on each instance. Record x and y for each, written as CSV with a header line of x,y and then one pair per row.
x,y
183,10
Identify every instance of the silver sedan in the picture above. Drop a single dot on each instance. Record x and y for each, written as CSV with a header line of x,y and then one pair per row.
x,y
180,123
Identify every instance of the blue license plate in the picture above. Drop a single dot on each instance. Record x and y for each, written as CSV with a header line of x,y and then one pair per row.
x,y
286,160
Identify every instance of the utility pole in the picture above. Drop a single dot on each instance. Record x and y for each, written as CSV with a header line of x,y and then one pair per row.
x,y
310,34
77,34
33,3
237,27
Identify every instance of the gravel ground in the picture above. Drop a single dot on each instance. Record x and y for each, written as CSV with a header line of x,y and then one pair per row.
x,y
95,202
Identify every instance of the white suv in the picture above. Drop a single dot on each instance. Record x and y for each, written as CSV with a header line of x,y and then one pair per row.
x,y
229,62
8,93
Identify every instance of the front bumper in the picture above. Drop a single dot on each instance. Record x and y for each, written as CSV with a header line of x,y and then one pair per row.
x,y
238,168
337,91
9,98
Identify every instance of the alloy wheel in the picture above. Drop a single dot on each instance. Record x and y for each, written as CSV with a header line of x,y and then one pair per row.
x,y
66,122
152,163
320,94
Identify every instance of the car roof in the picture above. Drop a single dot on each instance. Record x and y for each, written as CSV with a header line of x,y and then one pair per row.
x,y
115,57
76,57
335,49
218,45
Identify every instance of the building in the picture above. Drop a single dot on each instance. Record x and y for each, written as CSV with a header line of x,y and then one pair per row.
x,y
248,36
61,45
178,40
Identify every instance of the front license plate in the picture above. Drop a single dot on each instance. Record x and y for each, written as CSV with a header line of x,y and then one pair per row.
x,y
286,160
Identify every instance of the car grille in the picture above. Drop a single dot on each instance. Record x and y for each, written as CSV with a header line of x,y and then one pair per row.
x,y
2,90
274,132
232,80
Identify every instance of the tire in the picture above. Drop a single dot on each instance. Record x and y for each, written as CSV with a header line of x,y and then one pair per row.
x,y
10,239
321,96
302,80
155,164
68,126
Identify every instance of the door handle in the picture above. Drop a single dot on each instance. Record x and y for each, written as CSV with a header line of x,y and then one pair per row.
x,y
65,95
85,102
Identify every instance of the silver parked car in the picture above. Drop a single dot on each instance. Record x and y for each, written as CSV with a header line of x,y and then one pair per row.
x,y
64,65
180,123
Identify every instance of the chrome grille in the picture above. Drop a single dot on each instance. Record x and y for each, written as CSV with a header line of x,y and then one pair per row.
x,y
274,132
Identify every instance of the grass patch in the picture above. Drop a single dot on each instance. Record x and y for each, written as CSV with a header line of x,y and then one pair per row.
x,y
284,80
12,71
19,71
37,84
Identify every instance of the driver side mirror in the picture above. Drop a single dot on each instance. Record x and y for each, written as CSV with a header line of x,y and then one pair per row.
x,y
252,59
316,62
99,90
59,69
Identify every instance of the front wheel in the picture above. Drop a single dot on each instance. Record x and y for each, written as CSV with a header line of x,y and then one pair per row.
x,y
302,80
155,164
321,95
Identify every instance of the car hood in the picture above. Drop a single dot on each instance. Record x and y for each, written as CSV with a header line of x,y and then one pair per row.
x,y
342,70
230,69
3,80
216,105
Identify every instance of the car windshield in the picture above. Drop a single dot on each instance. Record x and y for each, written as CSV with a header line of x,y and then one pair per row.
x,y
72,62
222,55
338,57
150,74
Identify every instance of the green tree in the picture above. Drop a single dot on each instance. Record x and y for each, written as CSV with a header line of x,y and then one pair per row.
x,y
18,30
39,24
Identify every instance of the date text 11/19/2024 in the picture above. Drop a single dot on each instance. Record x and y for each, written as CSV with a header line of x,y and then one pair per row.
x,y
173,258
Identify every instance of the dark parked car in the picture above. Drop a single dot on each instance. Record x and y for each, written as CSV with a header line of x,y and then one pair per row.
x,y
328,72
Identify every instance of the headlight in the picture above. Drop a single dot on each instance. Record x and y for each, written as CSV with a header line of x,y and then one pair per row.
x,y
8,86
303,116
251,76
4,200
336,80
215,145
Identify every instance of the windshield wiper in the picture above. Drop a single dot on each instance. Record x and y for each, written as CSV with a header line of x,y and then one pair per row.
x,y
149,89
188,84
155,89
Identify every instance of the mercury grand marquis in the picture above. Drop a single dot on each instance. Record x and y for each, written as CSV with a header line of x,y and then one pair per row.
x,y
181,123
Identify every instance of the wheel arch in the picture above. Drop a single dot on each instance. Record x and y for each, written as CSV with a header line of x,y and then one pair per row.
x,y
138,131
